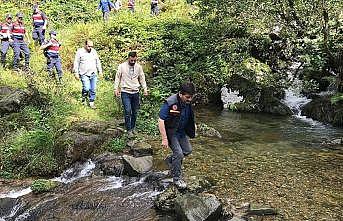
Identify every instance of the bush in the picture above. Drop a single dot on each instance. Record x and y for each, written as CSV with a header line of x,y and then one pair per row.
x,y
42,185
116,145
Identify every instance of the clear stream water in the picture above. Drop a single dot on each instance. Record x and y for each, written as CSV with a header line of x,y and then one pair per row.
x,y
283,162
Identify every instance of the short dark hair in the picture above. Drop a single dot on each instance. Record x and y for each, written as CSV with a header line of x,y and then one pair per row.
x,y
132,54
187,88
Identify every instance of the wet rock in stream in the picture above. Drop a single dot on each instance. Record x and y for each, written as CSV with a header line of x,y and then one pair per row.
x,y
134,166
109,164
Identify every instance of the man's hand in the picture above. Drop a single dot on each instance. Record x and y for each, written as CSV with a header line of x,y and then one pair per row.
x,y
101,76
145,93
77,77
117,92
165,142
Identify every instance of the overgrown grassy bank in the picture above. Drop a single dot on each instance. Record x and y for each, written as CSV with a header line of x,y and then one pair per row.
x,y
207,45
29,136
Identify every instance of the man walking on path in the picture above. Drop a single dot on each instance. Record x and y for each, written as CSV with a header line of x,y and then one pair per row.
x,y
51,52
5,35
129,78
117,5
19,45
131,5
86,66
176,123
105,6
40,22
154,7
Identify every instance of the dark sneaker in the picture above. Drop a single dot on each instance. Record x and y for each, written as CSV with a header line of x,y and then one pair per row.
x,y
84,101
180,184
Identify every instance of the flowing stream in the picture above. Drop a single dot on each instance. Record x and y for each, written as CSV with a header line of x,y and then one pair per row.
x,y
281,162
83,196
284,162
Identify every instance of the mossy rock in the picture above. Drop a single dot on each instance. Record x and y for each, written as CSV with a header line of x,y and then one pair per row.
x,y
42,186
323,110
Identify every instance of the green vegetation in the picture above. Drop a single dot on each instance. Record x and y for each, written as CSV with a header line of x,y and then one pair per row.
x,y
42,185
116,145
207,43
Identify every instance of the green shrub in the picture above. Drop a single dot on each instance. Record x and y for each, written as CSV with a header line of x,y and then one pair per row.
x,y
116,145
42,185
337,98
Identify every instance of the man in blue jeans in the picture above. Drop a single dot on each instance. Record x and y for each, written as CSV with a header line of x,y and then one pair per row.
x,y
176,124
129,78
105,6
86,66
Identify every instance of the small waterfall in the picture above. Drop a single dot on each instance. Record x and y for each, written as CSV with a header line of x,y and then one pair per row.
x,y
114,183
76,172
13,212
16,194
295,101
229,97
293,97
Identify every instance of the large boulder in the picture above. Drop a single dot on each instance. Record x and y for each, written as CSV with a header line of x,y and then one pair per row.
x,y
269,103
190,207
323,110
134,166
94,127
14,101
76,146
139,149
165,202
83,139
4,91
109,164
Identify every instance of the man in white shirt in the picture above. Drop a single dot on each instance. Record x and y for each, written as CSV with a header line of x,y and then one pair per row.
x,y
129,78
86,66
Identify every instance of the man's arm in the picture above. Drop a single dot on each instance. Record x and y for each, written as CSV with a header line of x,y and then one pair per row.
x,y
27,37
141,78
163,132
45,20
76,65
117,81
44,46
98,64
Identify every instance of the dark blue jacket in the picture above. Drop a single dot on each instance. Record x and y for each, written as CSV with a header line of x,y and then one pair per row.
x,y
105,5
173,121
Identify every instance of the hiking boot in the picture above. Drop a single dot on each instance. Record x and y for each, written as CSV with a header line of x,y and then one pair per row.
x,y
84,100
180,184
92,105
60,81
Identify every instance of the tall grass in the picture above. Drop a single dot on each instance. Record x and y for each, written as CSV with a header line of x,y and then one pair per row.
x,y
28,146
